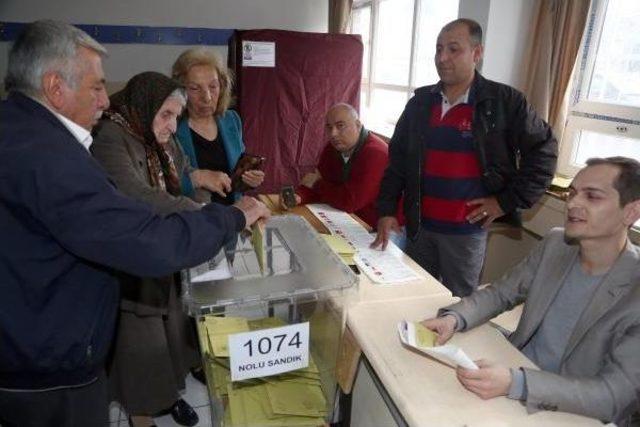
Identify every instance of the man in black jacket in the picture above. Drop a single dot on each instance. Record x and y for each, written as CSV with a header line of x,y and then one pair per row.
x,y
464,153
64,229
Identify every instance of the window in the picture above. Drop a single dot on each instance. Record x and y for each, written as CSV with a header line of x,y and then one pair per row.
x,y
604,114
399,39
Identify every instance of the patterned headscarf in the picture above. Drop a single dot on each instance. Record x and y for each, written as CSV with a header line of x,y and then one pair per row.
x,y
134,108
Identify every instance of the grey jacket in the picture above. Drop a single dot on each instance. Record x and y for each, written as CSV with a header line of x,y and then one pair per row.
x,y
600,369
124,159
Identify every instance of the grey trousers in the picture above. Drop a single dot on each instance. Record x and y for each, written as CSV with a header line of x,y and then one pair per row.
x,y
84,406
454,259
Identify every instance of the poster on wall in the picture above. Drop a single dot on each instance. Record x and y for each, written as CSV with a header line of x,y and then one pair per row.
x,y
258,54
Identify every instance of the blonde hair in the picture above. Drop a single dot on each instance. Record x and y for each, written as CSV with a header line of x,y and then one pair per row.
x,y
209,58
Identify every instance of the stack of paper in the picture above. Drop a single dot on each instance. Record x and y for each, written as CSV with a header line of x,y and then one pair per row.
x,y
341,247
274,405
413,334
293,398
218,330
380,266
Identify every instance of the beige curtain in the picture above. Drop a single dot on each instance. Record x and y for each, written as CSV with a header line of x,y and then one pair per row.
x,y
339,15
553,47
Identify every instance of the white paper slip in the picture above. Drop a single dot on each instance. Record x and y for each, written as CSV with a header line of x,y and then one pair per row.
x,y
214,269
383,266
448,353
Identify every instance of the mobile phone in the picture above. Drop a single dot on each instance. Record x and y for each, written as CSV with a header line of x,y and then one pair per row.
x,y
288,196
246,162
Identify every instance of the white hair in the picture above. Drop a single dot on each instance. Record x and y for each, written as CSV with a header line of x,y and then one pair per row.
x,y
180,95
46,46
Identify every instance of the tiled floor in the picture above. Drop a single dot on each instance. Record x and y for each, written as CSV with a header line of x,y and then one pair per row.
x,y
195,394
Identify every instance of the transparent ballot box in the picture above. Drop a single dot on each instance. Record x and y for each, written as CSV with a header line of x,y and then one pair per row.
x,y
292,279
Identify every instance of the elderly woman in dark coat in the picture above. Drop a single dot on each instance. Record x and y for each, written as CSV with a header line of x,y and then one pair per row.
x,y
155,343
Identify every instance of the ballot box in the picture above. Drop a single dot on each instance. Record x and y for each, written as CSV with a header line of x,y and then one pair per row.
x,y
269,320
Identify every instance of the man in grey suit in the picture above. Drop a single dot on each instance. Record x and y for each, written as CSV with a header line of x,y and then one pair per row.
x,y
581,318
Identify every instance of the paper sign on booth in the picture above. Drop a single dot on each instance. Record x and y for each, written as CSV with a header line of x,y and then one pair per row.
x,y
258,54
269,351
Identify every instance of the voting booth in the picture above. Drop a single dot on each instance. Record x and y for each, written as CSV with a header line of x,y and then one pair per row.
x,y
285,83
269,321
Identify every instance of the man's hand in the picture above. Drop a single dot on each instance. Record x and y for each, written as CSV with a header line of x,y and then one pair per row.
x,y
214,181
487,382
310,179
486,209
444,326
386,225
252,209
253,178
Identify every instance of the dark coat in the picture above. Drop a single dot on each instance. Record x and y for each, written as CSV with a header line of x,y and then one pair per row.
x,y
64,227
516,150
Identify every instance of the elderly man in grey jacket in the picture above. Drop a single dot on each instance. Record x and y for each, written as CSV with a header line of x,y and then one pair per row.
x,y
581,322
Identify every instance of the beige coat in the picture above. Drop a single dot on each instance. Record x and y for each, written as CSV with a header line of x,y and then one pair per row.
x,y
600,369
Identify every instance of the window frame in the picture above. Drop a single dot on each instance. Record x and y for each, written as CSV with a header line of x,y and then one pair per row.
x,y
583,114
369,84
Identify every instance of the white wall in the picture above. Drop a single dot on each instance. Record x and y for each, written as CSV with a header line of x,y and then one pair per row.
x,y
506,25
506,40
477,10
126,60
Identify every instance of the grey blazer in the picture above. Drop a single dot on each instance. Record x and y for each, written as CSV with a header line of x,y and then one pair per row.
x,y
600,369
124,159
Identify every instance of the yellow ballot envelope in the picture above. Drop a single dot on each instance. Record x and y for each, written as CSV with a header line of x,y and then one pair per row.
x,y
218,331
341,247
425,337
257,241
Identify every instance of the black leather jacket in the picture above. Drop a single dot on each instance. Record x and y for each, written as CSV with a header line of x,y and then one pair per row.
x,y
516,150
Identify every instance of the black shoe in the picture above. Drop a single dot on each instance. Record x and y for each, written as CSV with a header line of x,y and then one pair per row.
x,y
199,375
183,414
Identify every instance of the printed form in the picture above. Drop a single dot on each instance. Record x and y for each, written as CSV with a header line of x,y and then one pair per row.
x,y
383,267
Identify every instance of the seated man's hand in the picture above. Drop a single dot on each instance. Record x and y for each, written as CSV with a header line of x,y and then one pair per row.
x,y
283,205
311,178
386,225
214,181
252,209
444,326
487,382
253,178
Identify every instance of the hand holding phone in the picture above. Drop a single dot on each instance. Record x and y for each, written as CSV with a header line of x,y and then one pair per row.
x,y
247,162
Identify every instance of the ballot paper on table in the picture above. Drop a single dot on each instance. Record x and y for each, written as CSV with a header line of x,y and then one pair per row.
x,y
214,269
340,246
417,336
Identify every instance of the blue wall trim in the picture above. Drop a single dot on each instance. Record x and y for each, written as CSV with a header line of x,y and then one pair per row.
x,y
126,34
